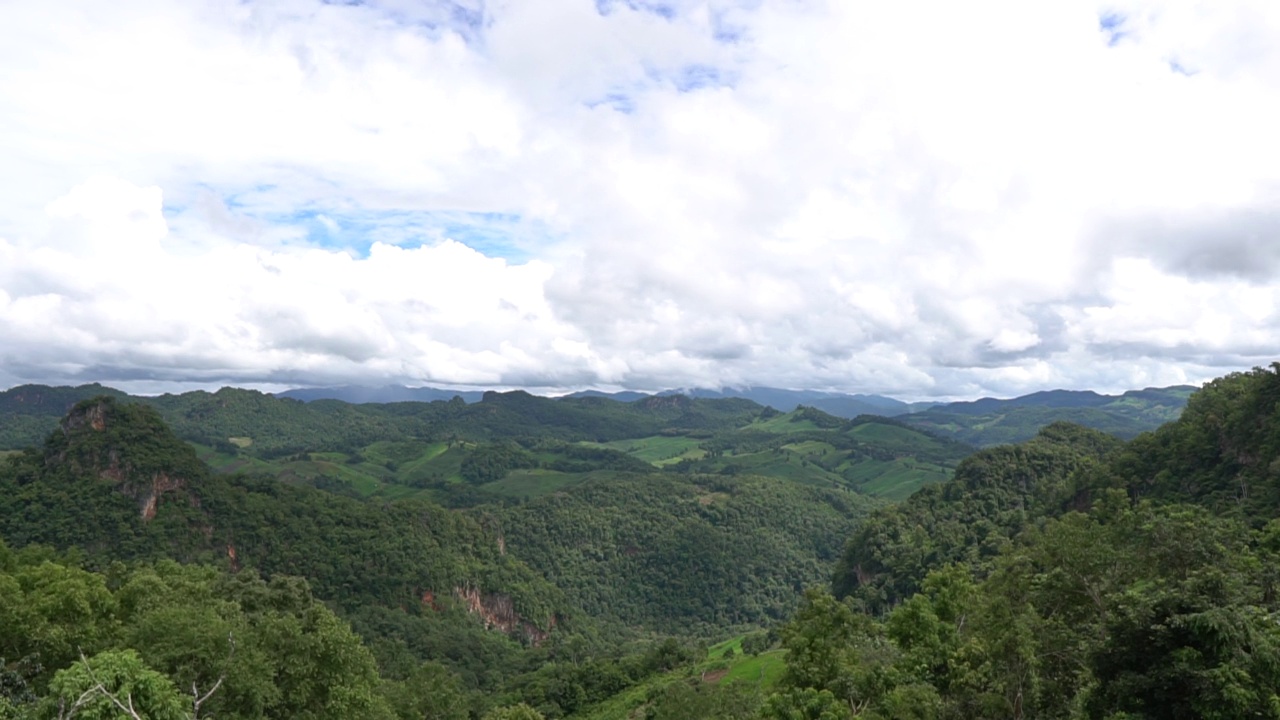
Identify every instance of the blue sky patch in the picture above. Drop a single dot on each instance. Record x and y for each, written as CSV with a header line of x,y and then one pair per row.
x,y
434,18
693,77
497,235
661,9
1112,26
621,102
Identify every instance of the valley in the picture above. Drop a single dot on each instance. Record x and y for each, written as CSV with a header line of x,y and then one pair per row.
x,y
668,557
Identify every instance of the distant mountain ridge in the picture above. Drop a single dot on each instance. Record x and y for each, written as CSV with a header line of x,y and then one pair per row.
x,y
982,422
29,412
989,421
839,404
363,394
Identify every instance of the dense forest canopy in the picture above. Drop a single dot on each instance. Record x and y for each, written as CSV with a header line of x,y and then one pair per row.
x,y
678,559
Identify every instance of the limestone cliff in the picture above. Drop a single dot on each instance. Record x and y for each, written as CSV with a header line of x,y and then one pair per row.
x,y
128,446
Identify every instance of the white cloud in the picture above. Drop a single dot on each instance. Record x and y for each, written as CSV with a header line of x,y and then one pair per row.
x,y
918,198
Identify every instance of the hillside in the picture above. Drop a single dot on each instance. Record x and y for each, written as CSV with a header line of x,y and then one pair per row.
x,y
523,457
28,413
114,482
1069,576
276,426
420,449
988,422
681,554
420,583
838,404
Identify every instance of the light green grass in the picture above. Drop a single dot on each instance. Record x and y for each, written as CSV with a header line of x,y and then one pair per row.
x,y
893,479
364,478
658,449
815,448
787,466
718,650
240,442
436,461
784,424
763,670
883,432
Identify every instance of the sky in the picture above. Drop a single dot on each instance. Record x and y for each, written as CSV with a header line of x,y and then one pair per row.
x,y
928,200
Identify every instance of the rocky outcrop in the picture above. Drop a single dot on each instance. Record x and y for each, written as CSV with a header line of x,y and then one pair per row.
x,y
120,446
149,495
498,612
93,415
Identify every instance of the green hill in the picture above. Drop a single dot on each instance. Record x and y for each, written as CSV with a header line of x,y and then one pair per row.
x,y
989,422
114,482
417,449
1068,576
578,556
622,553
688,554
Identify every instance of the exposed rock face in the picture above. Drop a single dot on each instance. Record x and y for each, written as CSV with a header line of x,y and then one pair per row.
x,y
88,448
94,416
149,496
497,611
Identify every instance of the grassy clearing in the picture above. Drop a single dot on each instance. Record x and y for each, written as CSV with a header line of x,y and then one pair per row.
x,y
226,464
363,478
718,650
810,447
763,670
240,442
883,432
894,479
788,423
436,461
786,465
659,449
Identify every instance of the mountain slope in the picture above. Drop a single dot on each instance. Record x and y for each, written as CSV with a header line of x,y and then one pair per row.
x,y
989,421
683,554
1069,576
116,482
28,413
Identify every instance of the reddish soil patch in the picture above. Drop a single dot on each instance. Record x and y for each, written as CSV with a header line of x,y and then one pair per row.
x,y
714,676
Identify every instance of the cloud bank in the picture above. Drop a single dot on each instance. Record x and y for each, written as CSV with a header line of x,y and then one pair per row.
x,y
920,199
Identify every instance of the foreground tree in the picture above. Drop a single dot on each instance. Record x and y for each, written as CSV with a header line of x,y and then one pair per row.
x,y
114,685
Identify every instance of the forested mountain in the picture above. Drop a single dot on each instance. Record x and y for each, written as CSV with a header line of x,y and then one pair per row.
x,y
423,449
422,584
1067,577
281,424
28,413
1073,575
839,404
989,421
361,394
